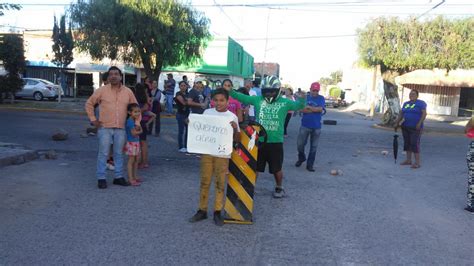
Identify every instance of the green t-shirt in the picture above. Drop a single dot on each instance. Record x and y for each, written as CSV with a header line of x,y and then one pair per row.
x,y
271,115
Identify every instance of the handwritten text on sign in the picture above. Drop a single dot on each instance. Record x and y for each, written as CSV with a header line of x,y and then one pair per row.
x,y
209,134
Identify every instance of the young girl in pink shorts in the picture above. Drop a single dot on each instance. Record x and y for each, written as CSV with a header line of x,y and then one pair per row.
x,y
132,147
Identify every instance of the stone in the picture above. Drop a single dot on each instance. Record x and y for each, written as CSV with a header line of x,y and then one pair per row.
x,y
334,172
384,153
60,135
51,155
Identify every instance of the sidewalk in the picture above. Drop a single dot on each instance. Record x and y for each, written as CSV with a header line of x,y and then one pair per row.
x,y
11,153
431,124
68,106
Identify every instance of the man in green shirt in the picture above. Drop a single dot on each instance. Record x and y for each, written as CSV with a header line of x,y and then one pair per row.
x,y
270,112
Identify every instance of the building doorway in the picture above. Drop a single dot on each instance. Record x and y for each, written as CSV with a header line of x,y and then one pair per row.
x,y
466,102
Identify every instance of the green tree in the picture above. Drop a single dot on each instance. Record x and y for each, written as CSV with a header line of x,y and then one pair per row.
x,y
6,6
12,56
400,46
155,33
334,78
63,45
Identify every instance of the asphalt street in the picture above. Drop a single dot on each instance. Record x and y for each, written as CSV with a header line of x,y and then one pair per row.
x,y
377,212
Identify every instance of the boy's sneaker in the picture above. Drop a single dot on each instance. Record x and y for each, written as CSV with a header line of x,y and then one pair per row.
x,y
469,209
299,163
218,220
102,184
310,168
121,182
279,193
183,150
199,216
110,165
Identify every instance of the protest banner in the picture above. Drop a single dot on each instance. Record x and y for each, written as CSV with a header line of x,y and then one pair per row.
x,y
210,134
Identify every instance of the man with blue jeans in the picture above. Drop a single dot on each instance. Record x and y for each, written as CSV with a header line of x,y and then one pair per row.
x,y
170,84
310,126
113,100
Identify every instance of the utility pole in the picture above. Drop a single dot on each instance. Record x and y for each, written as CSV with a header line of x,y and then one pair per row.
x,y
266,45
374,87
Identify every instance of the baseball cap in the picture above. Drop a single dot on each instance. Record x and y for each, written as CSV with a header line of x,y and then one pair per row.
x,y
315,86
198,79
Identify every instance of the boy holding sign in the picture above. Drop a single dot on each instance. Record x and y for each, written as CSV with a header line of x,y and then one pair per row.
x,y
216,165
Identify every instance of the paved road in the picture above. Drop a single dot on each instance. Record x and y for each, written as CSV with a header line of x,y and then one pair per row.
x,y
375,213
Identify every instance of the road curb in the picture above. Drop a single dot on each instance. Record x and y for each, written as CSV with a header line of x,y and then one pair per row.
x,y
29,109
425,130
14,154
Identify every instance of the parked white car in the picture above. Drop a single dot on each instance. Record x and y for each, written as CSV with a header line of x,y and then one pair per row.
x,y
39,89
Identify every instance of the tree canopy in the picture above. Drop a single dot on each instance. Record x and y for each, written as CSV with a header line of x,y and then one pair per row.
x,y
154,33
13,57
406,45
7,6
401,46
63,43
334,78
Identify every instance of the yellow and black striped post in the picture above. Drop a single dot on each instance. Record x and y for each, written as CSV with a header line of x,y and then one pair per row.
x,y
242,177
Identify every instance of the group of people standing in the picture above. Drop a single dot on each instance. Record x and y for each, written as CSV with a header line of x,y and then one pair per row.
x,y
125,118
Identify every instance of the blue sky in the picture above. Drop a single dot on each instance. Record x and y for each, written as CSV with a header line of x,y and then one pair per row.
x,y
309,39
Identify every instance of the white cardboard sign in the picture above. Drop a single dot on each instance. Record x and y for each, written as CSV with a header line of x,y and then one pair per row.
x,y
210,134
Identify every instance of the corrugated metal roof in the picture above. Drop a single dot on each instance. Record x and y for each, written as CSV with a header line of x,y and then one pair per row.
x,y
438,77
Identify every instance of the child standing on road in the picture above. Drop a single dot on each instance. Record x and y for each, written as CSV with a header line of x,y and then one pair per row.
x,y
216,165
132,147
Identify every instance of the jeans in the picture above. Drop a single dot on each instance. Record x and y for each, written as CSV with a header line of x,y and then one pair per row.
x,y
182,131
217,167
287,120
303,135
106,136
156,109
169,103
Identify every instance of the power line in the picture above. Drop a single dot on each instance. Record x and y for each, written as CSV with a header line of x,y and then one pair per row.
x,y
336,5
223,12
433,8
303,4
293,37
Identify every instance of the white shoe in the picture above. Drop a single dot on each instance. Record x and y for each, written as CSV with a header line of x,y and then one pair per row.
x,y
183,150
110,167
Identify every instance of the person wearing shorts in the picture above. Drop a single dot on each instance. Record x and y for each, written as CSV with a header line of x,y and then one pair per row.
x,y
271,154
132,146
271,110
413,114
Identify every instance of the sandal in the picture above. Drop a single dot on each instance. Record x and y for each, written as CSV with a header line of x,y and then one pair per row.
x,y
415,166
134,183
141,166
138,179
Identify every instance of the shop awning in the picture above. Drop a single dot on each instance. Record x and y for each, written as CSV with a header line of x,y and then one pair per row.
x,y
438,77
90,68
